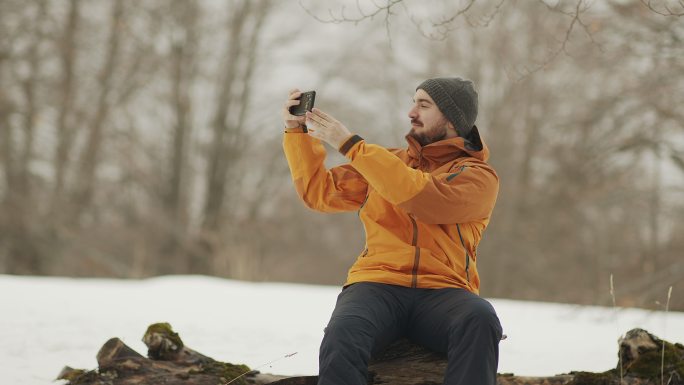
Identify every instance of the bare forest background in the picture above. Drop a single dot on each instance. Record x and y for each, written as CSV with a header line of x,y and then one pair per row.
x,y
143,138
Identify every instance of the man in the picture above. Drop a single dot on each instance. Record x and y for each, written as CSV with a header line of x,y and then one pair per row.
x,y
424,209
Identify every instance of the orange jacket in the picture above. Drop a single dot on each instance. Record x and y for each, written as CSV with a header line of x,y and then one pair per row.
x,y
423,208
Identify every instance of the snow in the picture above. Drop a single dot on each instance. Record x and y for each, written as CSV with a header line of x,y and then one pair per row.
x,y
47,323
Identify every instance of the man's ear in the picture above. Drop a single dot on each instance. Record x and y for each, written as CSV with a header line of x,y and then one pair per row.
x,y
451,127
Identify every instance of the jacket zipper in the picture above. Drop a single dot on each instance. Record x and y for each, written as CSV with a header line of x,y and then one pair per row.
x,y
363,204
467,261
414,242
365,250
416,257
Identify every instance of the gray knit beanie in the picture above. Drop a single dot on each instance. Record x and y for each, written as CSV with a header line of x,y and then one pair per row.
x,y
457,99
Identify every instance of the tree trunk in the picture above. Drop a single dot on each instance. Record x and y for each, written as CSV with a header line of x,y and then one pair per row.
x,y
244,29
65,123
23,256
183,59
90,158
220,154
7,171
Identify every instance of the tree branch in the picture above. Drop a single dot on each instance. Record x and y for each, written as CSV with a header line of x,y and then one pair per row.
x,y
342,18
444,26
668,12
575,15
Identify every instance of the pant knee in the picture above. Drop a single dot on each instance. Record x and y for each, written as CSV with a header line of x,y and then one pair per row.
x,y
485,310
482,316
346,347
349,331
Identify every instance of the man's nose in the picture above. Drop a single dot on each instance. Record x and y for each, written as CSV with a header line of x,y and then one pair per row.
x,y
413,113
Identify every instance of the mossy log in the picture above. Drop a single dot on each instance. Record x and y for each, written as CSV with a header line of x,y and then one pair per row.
x,y
169,362
639,356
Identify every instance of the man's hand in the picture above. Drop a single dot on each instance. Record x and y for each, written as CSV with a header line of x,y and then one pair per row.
x,y
292,121
326,128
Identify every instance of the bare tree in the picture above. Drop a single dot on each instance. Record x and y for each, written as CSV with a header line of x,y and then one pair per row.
x,y
19,140
447,17
66,123
233,95
91,155
185,36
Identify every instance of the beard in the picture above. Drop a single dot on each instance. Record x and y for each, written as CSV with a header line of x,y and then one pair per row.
x,y
433,135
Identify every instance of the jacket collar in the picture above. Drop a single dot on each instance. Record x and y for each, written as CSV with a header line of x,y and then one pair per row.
x,y
439,153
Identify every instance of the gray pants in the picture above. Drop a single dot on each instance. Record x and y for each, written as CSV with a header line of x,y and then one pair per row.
x,y
370,316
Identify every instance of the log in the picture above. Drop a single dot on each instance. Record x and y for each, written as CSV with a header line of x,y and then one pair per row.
x,y
305,380
115,351
404,363
170,362
644,355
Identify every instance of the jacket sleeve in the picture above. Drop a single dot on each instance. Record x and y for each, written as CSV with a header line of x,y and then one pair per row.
x,y
338,189
463,195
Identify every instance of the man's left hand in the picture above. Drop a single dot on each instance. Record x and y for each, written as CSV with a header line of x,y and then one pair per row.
x,y
326,128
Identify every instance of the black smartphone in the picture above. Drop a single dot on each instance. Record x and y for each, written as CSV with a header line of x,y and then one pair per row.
x,y
306,103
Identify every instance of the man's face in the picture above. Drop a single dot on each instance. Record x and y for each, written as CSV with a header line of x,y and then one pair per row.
x,y
428,124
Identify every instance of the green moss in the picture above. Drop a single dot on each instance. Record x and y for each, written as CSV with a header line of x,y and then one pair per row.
x,y
588,378
162,342
70,374
649,363
225,370
164,329
90,377
80,376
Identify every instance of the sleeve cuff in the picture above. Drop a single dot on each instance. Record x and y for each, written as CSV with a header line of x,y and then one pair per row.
x,y
349,143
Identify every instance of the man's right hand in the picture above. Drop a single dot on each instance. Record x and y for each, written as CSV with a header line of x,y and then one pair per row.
x,y
292,121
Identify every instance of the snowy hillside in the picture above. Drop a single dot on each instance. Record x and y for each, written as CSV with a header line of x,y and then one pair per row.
x,y
47,323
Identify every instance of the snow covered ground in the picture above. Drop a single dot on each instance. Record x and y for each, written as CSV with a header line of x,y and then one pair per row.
x,y
47,323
